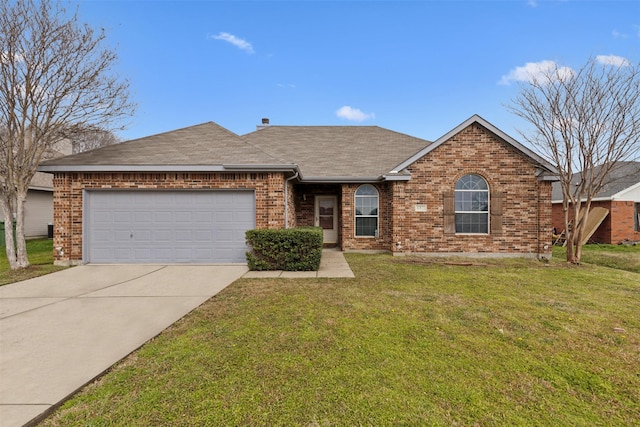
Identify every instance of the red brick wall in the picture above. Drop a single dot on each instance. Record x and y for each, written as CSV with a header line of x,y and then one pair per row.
x,y
382,242
616,227
305,201
526,214
68,203
622,216
557,217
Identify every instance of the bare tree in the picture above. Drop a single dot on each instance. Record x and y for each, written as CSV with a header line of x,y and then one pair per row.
x,y
584,121
91,140
56,82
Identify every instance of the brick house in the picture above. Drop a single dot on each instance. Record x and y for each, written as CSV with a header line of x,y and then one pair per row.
x,y
189,195
620,196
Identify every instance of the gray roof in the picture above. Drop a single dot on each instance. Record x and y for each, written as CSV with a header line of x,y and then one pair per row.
x,y
337,152
318,153
623,176
204,145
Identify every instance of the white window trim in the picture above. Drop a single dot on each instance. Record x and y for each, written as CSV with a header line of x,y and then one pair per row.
x,y
356,216
488,211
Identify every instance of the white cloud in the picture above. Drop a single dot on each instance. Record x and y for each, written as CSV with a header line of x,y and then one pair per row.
x,y
353,114
536,71
618,35
236,41
532,3
617,61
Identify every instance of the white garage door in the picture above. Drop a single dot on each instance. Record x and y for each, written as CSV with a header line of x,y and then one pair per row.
x,y
167,226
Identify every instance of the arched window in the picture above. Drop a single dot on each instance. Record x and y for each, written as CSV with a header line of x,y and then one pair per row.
x,y
366,211
472,205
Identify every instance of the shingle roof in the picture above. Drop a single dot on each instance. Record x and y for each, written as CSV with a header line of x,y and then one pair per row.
x,y
337,151
319,153
204,144
623,175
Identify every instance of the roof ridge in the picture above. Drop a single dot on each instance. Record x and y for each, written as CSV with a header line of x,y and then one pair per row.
x,y
183,129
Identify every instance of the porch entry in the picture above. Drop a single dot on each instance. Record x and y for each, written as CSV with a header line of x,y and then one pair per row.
x,y
326,216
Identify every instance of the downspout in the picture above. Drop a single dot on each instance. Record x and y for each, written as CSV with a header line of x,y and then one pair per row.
x,y
286,199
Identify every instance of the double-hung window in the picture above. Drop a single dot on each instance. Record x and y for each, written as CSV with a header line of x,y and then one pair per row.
x,y
472,205
366,201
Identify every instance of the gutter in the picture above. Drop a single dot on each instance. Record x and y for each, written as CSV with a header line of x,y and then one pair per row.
x,y
341,179
167,168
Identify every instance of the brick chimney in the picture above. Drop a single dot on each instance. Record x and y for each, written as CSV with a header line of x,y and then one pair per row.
x,y
265,124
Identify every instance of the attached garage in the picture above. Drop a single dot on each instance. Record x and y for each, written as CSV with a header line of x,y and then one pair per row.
x,y
167,226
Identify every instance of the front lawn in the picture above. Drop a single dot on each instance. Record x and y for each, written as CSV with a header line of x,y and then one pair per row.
x,y
408,342
40,256
614,256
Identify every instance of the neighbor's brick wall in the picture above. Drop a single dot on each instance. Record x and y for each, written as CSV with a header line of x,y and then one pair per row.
x,y
616,227
557,217
526,213
621,214
68,203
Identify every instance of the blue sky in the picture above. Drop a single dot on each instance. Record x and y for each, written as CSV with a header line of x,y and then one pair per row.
x,y
416,67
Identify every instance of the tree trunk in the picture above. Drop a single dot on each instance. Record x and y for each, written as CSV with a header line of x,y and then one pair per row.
x,y
10,246
22,259
573,234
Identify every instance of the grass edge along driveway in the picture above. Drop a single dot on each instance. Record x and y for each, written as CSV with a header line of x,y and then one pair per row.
x,y
509,342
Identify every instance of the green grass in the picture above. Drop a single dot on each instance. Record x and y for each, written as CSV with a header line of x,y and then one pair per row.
x,y
40,256
613,256
408,342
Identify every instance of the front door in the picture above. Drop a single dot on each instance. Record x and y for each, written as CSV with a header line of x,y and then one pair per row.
x,y
327,217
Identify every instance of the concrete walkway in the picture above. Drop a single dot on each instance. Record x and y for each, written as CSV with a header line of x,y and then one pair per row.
x,y
332,264
60,331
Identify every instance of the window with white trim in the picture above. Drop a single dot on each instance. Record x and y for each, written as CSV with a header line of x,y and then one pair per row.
x,y
366,201
472,205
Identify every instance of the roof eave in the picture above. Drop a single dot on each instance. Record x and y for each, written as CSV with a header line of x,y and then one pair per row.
x,y
340,179
167,168
262,168
396,177
40,188
544,175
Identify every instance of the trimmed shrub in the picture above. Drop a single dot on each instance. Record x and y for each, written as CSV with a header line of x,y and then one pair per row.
x,y
290,249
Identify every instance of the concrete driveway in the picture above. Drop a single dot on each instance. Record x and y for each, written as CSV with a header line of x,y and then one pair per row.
x,y
60,331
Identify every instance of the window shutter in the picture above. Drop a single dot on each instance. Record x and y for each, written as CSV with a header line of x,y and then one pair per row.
x,y
449,210
496,213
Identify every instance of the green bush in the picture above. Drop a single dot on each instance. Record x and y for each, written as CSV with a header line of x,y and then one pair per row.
x,y
291,249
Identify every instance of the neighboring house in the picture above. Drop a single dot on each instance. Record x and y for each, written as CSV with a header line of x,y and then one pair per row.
x,y
189,195
620,196
38,209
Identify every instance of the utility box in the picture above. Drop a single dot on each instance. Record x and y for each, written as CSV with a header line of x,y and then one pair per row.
x,y
2,241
